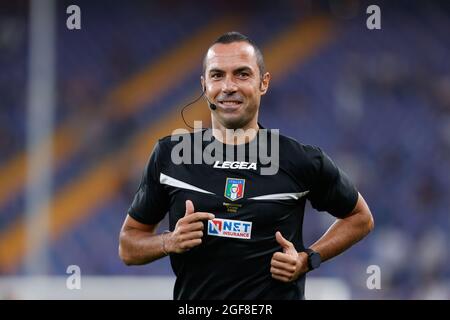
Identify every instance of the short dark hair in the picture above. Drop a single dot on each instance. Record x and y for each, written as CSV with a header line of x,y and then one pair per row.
x,y
234,36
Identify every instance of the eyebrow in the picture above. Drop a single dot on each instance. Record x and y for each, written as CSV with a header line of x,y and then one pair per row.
x,y
240,69
243,69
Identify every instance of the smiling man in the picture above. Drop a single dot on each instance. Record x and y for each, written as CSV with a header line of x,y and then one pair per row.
x,y
235,78
236,233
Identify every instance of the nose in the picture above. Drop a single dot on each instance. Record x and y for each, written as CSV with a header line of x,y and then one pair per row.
x,y
229,86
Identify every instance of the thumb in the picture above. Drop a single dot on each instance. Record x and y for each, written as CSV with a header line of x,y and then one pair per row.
x,y
189,207
285,244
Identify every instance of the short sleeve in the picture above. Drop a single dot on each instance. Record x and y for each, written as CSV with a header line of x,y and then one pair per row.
x,y
331,189
150,203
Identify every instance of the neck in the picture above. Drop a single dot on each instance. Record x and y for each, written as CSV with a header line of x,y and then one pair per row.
x,y
242,135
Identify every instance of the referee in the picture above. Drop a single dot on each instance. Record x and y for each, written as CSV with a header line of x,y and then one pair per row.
x,y
235,233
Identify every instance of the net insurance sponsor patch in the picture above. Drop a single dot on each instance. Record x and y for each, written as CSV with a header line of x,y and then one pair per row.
x,y
230,228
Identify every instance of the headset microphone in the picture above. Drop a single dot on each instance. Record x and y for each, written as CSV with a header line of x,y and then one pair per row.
x,y
212,106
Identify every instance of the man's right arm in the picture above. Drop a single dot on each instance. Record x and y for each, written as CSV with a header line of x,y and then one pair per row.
x,y
139,243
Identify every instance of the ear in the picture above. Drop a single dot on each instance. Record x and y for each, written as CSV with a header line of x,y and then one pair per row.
x,y
264,86
202,81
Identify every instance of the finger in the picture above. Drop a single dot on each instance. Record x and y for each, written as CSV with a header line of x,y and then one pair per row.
x,y
194,226
285,244
283,266
280,273
191,244
198,216
280,278
189,208
191,236
284,257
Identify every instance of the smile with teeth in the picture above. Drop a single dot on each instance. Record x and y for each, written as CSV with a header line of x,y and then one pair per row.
x,y
230,103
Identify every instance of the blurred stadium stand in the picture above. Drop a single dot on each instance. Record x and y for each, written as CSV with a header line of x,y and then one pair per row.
x,y
378,102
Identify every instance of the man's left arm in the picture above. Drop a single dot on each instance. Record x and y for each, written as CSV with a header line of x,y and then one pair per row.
x,y
288,265
345,232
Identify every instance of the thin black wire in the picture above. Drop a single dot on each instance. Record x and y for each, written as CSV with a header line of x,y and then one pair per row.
x,y
182,110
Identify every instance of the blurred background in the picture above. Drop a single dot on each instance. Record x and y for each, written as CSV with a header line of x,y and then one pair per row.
x,y
80,111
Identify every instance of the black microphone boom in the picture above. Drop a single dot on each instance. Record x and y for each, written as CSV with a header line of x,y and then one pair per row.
x,y
212,106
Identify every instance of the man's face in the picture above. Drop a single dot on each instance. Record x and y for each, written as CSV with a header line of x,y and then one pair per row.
x,y
233,83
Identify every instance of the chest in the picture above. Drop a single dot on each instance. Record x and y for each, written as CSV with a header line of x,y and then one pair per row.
x,y
234,192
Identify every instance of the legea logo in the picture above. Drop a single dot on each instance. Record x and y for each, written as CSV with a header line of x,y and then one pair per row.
x,y
263,155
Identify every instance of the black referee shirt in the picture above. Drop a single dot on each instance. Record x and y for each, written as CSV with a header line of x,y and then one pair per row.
x,y
233,261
